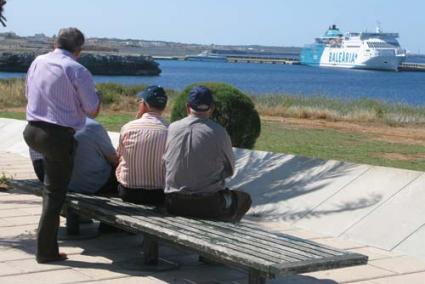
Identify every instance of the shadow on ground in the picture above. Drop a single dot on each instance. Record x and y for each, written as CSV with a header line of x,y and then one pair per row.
x,y
272,179
113,252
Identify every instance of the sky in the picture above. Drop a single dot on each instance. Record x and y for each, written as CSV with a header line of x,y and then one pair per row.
x,y
233,22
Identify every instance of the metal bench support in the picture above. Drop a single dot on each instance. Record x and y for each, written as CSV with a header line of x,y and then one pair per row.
x,y
74,229
256,277
72,222
150,260
150,250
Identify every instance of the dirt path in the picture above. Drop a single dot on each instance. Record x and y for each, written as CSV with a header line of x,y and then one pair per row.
x,y
414,135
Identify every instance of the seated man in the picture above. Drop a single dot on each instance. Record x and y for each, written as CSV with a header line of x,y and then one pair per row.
x,y
140,172
94,162
37,164
198,158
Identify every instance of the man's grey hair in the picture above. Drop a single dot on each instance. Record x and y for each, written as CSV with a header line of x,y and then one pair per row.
x,y
70,39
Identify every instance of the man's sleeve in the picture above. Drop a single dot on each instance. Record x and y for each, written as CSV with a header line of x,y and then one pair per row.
x,y
86,90
104,141
120,143
229,158
29,73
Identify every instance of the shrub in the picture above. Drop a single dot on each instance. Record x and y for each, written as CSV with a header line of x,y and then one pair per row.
x,y
113,92
233,110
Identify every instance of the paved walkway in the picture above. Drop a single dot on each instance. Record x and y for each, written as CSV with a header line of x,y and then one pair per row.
x,y
106,259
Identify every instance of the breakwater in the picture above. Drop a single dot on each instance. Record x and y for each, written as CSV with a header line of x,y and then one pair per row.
x,y
98,64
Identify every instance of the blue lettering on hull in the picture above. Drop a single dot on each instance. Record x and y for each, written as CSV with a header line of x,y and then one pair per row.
x,y
342,57
311,55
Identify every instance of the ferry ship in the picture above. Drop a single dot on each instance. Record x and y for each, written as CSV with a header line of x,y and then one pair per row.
x,y
378,50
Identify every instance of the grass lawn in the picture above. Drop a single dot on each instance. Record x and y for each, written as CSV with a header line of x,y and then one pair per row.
x,y
320,143
339,145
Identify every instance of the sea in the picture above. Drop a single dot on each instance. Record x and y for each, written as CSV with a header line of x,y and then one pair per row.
x,y
266,79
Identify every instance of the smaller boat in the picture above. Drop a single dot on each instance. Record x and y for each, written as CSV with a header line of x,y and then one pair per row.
x,y
207,57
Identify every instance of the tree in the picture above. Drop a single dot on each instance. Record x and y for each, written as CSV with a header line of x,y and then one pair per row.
x,y
2,18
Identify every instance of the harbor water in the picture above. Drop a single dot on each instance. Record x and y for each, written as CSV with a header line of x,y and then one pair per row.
x,y
261,79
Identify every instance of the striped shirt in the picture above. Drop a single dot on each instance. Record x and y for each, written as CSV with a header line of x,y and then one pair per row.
x,y
60,90
140,150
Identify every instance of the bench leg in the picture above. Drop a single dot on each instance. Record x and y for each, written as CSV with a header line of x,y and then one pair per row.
x,y
150,260
72,222
256,278
150,250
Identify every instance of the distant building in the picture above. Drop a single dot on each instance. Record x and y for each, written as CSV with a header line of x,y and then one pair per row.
x,y
40,38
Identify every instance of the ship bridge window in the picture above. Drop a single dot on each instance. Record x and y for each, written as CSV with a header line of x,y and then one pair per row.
x,y
380,44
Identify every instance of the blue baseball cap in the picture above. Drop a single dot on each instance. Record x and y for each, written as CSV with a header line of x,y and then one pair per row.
x,y
154,96
200,98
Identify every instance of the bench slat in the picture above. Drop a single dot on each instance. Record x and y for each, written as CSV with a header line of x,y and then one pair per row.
x,y
261,246
285,243
215,239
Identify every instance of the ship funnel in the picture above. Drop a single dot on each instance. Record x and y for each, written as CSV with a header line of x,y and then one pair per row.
x,y
378,27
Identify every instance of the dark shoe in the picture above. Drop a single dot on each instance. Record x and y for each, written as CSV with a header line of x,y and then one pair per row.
x,y
242,203
61,257
85,220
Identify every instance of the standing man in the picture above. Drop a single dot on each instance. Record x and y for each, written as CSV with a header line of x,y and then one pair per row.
x,y
198,159
61,93
140,172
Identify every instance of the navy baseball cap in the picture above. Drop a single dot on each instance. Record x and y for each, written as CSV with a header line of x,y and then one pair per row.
x,y
200,98
155,97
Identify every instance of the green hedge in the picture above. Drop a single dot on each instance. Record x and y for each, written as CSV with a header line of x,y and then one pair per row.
x,y
233,110
112,92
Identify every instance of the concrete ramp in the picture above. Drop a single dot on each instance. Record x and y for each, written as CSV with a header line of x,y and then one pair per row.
x,y
377,206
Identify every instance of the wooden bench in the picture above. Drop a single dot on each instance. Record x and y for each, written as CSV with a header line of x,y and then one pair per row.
x,y
263,254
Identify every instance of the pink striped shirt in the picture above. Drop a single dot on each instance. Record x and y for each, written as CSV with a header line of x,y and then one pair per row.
x,y
140,150
60,90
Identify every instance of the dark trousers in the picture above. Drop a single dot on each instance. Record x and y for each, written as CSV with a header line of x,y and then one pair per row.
x,y
142,196
38,166
208,206
110,188
57,145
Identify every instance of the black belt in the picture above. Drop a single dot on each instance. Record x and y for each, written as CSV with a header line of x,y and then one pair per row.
x,y
51,125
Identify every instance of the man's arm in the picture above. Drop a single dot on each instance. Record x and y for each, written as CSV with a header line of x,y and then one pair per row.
x,y
229,158
87,93
105,145
94,113
112,159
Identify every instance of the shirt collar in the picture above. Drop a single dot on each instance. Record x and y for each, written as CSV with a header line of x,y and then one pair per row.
x,y
151,114
65,52
195,116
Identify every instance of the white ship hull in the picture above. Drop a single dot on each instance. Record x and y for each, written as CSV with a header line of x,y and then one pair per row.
x,y
378,51
357,60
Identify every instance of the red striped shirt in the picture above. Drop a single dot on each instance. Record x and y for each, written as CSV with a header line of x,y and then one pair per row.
x,y
140,150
